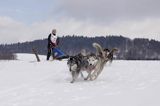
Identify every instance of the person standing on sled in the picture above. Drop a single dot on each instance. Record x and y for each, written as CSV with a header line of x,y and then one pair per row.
x,y
53,42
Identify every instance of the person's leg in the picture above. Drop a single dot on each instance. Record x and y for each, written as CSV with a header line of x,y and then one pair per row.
x,y
48,54
57,52
60,53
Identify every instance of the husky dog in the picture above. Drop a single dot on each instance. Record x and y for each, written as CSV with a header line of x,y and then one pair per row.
x,y
103,55
74,64
80,63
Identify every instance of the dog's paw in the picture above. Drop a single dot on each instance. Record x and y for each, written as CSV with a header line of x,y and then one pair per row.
x,y
72,82
85,78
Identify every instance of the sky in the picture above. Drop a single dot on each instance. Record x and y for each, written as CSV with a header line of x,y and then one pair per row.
x,y
27,20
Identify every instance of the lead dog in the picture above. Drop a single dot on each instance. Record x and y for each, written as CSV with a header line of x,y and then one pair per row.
x,y
80,63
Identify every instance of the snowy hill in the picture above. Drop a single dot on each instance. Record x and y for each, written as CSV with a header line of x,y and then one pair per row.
x,y
25,82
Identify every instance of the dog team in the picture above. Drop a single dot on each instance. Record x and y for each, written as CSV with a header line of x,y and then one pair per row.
x,y
92,63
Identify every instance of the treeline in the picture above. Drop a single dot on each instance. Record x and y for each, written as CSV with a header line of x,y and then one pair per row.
x,y
136,49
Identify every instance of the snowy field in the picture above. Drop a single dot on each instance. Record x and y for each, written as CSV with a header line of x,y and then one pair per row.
x,y
25,82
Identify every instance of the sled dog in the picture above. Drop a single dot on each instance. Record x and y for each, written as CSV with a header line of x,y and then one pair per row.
x,y
103,55
80,63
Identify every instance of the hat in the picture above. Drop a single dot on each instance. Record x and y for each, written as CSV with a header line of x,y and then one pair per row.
x,y
54,31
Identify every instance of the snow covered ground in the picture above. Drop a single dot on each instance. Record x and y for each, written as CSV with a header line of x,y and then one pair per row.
x,y
25,82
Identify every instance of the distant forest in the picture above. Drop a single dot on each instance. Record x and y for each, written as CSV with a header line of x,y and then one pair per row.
x,y
136,49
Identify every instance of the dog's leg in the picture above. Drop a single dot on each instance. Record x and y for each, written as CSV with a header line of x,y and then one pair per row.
x,y
82,75
94,75
74,76
89,75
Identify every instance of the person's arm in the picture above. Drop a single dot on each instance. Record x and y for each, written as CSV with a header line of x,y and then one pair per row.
x,y
49,38
58,41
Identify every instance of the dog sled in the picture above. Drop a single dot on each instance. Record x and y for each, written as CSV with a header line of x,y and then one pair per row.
x,y
57,54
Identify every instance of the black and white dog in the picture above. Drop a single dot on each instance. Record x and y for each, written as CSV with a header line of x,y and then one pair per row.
x,y
80,63
92,63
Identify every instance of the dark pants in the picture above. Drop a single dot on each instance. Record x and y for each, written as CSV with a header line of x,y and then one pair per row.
x,y
49,53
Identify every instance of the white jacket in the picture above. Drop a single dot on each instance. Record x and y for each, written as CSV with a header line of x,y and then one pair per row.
x,y
53,39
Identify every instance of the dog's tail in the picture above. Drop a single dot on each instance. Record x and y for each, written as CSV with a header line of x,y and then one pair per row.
x,y
99,49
